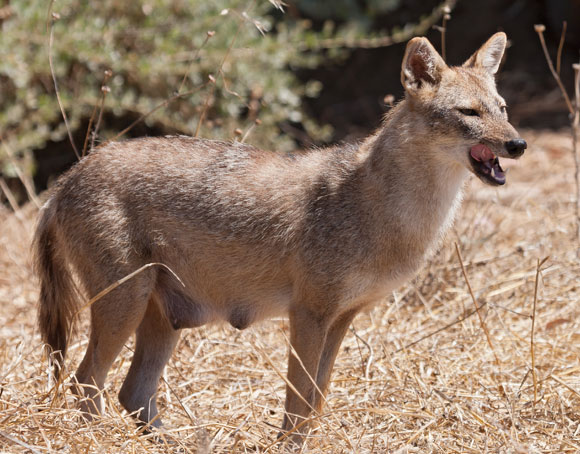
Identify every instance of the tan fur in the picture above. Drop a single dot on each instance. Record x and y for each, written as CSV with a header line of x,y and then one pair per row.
x,y
318,235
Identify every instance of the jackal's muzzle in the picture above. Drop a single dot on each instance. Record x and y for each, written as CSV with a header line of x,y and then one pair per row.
x,y
485,163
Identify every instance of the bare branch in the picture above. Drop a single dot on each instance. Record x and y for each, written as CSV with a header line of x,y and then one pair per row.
x,y
532,351
483,325
540,31
561,46
51,19
384,41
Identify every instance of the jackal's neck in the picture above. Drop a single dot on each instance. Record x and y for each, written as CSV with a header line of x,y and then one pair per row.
x,y
404,168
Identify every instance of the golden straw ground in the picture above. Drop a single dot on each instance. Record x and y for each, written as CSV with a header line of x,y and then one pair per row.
x,y
222,391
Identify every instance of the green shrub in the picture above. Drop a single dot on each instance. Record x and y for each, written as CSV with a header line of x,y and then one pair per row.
x,y
150,47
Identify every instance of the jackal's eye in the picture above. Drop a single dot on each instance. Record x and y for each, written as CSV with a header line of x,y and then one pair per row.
x,y
469,112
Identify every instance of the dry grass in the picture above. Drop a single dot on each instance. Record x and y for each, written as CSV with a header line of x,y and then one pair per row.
x,y
448,393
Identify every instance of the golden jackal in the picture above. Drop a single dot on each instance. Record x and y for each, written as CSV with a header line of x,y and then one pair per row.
x,y
318,235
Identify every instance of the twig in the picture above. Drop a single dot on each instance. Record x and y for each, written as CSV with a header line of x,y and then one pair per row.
x,y
408,32
561,46
19,442
205,106
24,179
155,109
574,112
532,351
116,284
51,19
9,196
104,90
106,77
540,31
214,81
459,320
443,29
370,348
124,279
575,134
256,122
483,326
564,384
208,35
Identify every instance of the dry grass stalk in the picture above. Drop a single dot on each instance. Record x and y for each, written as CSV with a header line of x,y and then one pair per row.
x,y
208,35
152,111
224,393
540,31
25,179
575,137
52,17
574,110
443,29
561,47
532,351
9,196
219,73
104,90
90,133
481,321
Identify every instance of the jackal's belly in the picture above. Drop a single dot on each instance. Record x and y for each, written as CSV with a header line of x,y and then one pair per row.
x,y
237,300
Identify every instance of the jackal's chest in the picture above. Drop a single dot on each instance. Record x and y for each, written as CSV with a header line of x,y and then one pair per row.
x,y
370,287
389,267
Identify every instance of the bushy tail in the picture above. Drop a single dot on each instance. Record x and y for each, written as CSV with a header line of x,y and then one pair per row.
x,y
57,301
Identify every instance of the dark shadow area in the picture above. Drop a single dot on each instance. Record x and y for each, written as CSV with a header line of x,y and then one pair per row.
x,y
353,96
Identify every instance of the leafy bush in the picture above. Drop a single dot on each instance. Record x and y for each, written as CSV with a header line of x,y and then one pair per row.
x,y
153,49
232,63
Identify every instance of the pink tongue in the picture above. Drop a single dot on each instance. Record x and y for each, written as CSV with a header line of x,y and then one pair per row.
x,y
480,152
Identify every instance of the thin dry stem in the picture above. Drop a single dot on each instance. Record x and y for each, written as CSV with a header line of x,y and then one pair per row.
x,y
573,115
155,109
116,284
9,196
104,91
532,349
540,30
481,321
561,47
257,122
208,35
418,29
121,281
100,106
25,179
575,134
443,30
106,77
444,328
219,72
50,25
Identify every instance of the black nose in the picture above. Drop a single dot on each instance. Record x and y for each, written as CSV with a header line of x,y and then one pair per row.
x,y
516,147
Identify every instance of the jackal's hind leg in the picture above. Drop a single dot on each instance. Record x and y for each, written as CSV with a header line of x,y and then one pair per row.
x,y
114,318
156,339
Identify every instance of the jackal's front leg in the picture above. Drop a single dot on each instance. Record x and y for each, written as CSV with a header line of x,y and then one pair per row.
x,y
334,337
307,336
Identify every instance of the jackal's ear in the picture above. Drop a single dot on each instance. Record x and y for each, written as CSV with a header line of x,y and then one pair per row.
x,y
421,65
489,55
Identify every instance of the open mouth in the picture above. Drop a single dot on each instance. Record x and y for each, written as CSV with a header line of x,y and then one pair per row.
x,y
486,165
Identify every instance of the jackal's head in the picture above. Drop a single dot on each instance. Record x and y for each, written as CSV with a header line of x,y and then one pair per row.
x,y
466,118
